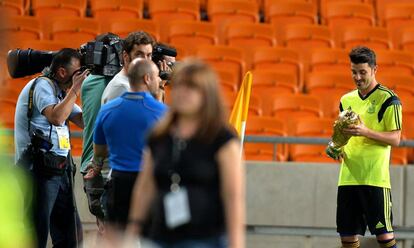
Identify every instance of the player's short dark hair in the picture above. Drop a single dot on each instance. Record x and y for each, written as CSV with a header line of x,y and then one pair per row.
x,y
361,54
63,59
137,38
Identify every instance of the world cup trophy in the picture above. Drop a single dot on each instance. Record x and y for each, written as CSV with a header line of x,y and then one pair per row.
x,y
339,138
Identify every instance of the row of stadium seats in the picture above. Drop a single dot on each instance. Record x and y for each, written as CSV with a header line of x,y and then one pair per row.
x,y
75,31
283,69
276,126
294,62
304,127
271,96
216,10
266,111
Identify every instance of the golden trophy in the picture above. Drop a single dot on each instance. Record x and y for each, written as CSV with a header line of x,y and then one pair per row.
x,y
339,138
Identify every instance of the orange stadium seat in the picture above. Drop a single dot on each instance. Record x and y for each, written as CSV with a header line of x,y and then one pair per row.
x,y
311,127
273,82
249,34
75,43
408,108
45,45
229,97
329,59
58,8
397,62
292,107
399,156
75,31
201,3
305,37
18,28
373,37
324,4
228,86
349,13
408,132
7,108
12,7
296,105
408,119
76,146
330,104
183,50
280,13
222,12
310,153
116,9
403,155
279,59
227,80
9,93
269,84
315,127
265,126
18,83
404,38
191,33
166,10
382,5
228,77
329,82
255,105
265,4
3,70
221,57
399,15
123,27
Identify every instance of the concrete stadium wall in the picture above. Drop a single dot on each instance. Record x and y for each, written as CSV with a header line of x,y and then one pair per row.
x,y
298,195
304,195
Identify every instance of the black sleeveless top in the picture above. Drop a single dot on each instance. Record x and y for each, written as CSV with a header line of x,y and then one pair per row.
x,y
197,165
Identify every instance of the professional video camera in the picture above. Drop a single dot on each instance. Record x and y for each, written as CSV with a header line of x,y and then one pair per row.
x,y
102,58
158,54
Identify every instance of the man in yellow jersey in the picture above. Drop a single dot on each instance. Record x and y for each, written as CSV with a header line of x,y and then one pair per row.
x,y
364,196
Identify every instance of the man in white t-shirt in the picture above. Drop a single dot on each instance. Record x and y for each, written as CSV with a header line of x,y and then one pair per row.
x,y
136,45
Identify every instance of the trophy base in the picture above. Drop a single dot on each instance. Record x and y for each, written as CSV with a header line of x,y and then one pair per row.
x,y
333,151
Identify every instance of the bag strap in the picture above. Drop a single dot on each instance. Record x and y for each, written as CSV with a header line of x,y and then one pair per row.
x,y
31,101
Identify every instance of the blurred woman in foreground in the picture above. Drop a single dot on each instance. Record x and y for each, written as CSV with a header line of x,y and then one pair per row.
x,y
192,186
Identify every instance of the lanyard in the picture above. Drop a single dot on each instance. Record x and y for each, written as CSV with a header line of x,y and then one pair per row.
x,y
178,145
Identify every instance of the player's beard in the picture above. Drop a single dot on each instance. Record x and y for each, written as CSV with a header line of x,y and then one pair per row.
x,y
364,84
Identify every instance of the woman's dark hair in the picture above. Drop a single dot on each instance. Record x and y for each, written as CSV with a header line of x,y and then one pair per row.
x,y
63,59
361,54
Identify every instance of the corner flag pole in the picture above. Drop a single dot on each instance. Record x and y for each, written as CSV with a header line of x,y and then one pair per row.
x,y
238,117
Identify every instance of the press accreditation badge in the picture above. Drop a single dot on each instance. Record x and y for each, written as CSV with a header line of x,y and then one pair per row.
x,y
63,136
177,209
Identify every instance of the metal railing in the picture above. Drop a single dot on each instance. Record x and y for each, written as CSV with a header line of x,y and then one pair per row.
x,y
275,140
301,140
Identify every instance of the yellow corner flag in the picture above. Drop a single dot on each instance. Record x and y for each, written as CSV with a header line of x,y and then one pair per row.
x,y
240,110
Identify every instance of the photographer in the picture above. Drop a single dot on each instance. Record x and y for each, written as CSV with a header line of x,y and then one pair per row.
x,y
42,145
136,45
